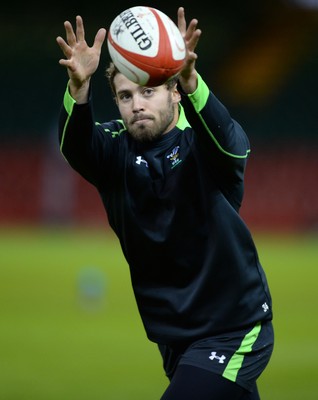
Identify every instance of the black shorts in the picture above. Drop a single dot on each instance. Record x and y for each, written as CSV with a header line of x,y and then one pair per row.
x,y
239,356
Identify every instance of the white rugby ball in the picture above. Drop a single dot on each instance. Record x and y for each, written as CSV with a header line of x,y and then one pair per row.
x,y
146,46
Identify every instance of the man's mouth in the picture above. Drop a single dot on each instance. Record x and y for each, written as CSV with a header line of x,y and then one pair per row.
x,y
140,118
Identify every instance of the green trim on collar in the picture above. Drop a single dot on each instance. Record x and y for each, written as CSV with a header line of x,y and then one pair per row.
x,y
182,121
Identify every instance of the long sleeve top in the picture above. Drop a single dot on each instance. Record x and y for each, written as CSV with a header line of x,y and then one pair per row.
x,y
174,206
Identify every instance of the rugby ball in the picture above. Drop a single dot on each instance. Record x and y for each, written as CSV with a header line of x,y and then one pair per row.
x,y
146,46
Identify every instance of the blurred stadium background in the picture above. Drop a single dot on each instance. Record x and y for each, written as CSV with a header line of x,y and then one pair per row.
x,y
69,328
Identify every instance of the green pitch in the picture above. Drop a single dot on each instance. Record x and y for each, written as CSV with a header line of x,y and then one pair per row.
x,y
70,329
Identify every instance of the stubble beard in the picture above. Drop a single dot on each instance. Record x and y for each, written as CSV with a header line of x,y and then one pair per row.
x,y
145,133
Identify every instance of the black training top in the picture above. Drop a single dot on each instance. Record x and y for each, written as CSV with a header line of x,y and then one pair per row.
x,y
174,205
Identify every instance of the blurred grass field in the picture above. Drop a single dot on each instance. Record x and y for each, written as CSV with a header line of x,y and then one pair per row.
x,y
70,329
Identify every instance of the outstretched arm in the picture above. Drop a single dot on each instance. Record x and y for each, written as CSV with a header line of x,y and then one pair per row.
x,y
191,36
81,60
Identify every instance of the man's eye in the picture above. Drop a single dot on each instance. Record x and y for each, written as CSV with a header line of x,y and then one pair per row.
x,y
124,97
148,91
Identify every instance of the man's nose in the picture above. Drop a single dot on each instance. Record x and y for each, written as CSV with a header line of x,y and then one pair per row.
x,y
137,103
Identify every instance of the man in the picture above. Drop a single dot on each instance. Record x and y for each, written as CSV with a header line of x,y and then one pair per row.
x,y
170,175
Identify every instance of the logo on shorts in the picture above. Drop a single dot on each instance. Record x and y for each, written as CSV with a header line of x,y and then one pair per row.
x,y
265,307
214,356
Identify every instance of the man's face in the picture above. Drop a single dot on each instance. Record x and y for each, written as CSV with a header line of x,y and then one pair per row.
x,y
148,112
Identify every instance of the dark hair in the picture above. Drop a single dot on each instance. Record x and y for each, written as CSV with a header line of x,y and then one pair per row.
x,y
112,71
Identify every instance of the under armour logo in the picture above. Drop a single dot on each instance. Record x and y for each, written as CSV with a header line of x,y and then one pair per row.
x,y
214,356
265,307
140,160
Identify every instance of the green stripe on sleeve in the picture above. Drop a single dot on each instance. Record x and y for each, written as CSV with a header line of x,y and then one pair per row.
x,y
68,102
200,96
199,99
245,155
237,359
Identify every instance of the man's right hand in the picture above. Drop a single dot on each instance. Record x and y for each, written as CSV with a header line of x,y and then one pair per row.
x,y
81,60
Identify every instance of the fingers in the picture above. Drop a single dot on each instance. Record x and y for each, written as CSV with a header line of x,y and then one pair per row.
x,y
71,39
80,60
191,34
64,47
80,32
70,35
181,21
99,38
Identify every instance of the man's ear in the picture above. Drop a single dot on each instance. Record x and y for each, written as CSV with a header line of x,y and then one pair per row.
x,y
176,94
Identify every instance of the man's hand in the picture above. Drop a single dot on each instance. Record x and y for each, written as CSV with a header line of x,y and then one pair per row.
x,y
191,36
81,60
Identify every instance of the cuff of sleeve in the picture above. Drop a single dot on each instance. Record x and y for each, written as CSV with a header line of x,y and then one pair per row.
x,y
200,96
68,101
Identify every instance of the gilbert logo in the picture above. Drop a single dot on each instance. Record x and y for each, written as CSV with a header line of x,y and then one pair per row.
x,y
142,38
214,356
